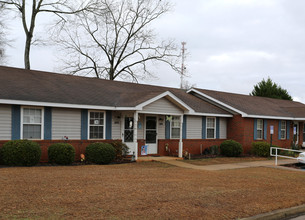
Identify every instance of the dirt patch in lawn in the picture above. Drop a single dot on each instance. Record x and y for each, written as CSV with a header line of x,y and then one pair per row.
x,y
147,190
223,160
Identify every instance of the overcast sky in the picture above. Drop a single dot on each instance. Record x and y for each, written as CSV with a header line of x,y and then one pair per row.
x,y
232,44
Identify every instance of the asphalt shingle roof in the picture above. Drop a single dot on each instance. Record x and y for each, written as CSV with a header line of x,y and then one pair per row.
x,y
254,105
39,86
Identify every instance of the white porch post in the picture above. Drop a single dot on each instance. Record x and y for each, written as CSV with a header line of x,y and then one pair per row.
x,y
180,139
135,133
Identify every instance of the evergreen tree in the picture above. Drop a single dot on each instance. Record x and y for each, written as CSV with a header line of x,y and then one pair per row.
x,y
270,89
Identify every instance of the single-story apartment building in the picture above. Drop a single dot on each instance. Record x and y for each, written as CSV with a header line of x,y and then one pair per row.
x,y
50,107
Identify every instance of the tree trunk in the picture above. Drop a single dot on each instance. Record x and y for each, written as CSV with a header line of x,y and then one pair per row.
x,y
27,52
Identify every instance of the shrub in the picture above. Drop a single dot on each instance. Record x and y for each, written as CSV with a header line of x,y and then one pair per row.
x,y
231,148
20,153
121,150
261,149
100,153
213,150
61,153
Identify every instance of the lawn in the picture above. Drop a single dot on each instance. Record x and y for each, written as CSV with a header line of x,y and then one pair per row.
x,y
147,190
223,160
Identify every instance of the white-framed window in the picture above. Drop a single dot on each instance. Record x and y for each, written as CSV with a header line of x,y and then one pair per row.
x,y
283,130
260,126
96,125
175,127
32,123
211,128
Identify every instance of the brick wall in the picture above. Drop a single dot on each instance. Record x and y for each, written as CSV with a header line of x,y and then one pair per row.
x,y
242,130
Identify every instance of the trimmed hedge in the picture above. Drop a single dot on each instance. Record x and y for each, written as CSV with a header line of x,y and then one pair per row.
x,y
231,148
20,153
100,153
121,150
261,149
61,153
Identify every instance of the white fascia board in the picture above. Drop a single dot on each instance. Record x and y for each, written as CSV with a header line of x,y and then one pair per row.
x,y
164,94
274,117
63,105
218,102
210,115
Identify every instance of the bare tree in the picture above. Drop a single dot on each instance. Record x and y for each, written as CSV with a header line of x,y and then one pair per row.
x,y
2,34
116,40
28,11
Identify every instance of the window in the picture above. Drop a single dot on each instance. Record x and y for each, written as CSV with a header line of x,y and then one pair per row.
x,y
32,123
128,129
175,127
96,125
260,125
211,125
283,129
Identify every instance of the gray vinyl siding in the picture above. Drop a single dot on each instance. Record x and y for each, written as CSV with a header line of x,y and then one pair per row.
x,y
223,128
66,122
5,122
141,125
193,127
163,106
161,127
116,125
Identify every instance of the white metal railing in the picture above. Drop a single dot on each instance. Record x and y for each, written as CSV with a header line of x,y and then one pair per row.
x,y
276,155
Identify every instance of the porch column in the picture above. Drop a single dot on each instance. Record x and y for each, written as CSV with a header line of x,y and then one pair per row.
x,y
135,133
180,139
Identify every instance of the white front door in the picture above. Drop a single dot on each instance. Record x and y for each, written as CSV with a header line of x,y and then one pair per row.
x,y
128,133
296,132
151,134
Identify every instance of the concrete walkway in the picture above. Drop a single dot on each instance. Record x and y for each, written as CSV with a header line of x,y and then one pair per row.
x,y
179,163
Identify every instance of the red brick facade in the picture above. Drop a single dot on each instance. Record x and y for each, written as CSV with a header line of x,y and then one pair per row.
x,y
242,130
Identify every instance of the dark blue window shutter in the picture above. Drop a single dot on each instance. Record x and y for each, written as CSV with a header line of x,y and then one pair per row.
x,y
279,130
167,128
255,129
16,122
108,125
217,128
47,123
203,127
84,124
184,127
265,129
288,130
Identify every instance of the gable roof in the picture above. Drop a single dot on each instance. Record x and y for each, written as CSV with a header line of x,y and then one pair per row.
x,y
24,87
253,106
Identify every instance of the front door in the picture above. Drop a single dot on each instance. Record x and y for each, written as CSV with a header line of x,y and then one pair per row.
x,y
151,135
296,132
128,133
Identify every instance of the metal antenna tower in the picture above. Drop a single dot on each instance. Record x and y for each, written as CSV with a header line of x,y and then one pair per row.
x,y
182,65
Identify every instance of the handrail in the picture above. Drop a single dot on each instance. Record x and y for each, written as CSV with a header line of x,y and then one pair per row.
x,y
277,155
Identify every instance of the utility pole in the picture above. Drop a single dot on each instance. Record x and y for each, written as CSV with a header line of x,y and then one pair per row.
x,y
182,65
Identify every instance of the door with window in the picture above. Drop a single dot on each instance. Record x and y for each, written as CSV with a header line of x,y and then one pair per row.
x,y
128,131
296,132
151,135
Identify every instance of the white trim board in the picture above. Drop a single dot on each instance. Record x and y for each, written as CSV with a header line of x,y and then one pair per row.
x,y
162,95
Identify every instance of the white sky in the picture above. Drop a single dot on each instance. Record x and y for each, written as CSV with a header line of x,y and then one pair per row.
x,y
232,44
